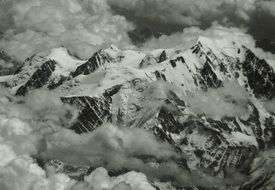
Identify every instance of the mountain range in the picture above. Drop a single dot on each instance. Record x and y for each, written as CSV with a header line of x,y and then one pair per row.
x,y
167,91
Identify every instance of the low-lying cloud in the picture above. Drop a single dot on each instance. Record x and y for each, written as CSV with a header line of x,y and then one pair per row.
x,y
24,123
133,149
83,27
106,141
230,100
111,147
269,105
100,180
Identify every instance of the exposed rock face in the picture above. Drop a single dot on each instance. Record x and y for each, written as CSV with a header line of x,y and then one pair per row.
x,y
148,60
93,112
111,87
261,176
162,57
260,75
97,60
39,78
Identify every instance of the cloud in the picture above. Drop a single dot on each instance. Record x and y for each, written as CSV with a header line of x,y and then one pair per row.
x,y
269,105
155,95
171,16
100,180
260,25
134,149
24,124
117,146
230,100
23,173
80,26
187,12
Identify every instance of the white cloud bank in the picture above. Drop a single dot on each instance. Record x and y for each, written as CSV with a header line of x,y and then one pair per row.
x,y
133,149
81,26
22,129
230,100
100,180
117,146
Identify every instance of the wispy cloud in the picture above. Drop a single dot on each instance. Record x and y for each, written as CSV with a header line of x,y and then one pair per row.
x,y
230,100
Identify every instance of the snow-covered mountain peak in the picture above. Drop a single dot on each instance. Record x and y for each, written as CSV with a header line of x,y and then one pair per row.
x,y
211,57
221,47
173,93
62,56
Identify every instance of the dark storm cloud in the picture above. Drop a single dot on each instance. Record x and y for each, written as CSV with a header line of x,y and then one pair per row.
x,y
184,12
157,17
170,16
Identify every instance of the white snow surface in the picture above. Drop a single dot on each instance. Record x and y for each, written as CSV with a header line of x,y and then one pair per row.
x,y
66,63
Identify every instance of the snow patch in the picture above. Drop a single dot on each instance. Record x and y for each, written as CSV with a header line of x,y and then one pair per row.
x,y
241,139
66,63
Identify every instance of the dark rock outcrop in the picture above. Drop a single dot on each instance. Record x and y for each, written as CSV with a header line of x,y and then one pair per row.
x,y
39,78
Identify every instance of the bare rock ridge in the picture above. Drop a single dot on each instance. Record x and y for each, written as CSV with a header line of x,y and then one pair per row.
x,y
113,85
260,75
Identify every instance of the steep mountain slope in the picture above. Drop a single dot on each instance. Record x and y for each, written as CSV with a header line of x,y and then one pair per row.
x,y
152,91
262,172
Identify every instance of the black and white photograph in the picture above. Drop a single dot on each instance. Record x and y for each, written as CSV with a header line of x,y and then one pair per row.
x,y
137,94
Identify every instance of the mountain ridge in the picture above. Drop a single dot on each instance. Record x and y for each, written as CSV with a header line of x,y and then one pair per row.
x,y
136,89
